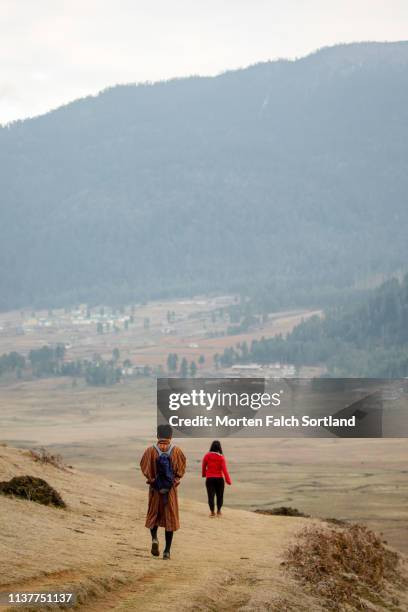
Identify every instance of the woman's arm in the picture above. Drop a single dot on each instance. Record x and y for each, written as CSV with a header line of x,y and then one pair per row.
x,y
225,471
204,467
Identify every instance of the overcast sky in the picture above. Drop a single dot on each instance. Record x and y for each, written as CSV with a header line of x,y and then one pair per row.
x,y
53,51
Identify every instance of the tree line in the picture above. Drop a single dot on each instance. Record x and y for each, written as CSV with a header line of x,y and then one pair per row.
x,y
49,361
367,337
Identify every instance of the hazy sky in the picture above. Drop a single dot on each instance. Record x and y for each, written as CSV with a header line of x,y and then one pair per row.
x,y
52,51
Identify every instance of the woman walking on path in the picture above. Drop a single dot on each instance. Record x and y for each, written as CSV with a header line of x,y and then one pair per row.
x,y
214,470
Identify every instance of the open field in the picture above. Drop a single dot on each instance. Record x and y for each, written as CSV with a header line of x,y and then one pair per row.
x,y
104,430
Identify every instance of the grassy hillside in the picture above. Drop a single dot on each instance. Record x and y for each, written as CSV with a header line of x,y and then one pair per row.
x,y
101,543
288,176
98,547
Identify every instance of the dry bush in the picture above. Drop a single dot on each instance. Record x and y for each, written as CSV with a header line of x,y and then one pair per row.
x,y
45,457
345,566
282,511
336,521
34,489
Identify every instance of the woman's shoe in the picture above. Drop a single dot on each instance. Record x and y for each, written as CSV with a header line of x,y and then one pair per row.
x,y
212,514
166,555
219,513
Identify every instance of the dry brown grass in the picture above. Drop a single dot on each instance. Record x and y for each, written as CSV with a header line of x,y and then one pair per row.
x,y
347,566
99,548
44,456
103,429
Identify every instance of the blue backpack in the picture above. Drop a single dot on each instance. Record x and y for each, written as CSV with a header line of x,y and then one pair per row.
x,y
164,471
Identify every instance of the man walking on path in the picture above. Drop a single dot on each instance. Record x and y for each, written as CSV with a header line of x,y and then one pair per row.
x,y
163,466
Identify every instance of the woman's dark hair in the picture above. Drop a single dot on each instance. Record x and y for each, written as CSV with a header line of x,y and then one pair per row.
x,y
216,447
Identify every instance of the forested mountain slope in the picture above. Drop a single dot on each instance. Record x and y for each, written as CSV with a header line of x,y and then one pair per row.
x,y
366,338
287,175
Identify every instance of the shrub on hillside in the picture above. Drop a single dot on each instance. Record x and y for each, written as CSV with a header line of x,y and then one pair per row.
x,y
345,566
282,511
46,457
34,489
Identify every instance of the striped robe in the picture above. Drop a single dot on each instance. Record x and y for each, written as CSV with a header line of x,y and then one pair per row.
x,y
158,513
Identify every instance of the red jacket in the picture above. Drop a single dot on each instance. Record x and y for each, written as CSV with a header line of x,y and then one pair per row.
x,y
215,466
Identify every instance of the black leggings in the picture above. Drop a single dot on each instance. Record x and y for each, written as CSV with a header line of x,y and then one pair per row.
x,y
215,488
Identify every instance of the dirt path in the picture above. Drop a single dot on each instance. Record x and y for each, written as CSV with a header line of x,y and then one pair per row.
x,y
216,565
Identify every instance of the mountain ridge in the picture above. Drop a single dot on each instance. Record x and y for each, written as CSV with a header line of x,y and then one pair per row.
x,y
328,49
285,175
